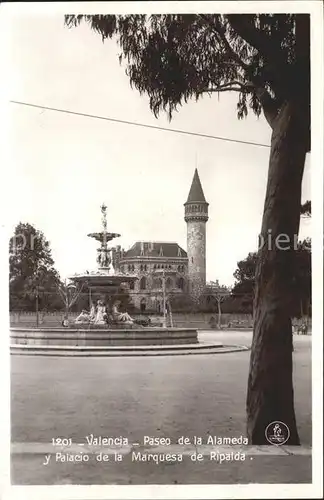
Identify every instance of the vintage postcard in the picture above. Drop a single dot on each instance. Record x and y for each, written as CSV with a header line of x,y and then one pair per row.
x,y
164,220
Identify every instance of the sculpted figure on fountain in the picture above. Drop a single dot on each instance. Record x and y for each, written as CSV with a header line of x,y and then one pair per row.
x,y
101,316
121,317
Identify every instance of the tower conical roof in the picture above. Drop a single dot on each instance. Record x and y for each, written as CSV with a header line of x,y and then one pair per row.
x,y
196,193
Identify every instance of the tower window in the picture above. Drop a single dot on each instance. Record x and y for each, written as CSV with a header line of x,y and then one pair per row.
x,y
143,283
131,285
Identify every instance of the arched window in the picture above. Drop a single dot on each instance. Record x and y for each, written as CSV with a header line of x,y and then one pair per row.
x,y
143,305
145,267
143,283
131,285
141,267
169,283
181,283
157,283
129,267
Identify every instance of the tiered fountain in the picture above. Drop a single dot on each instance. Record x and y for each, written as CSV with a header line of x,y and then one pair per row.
x,y
104,330
104,282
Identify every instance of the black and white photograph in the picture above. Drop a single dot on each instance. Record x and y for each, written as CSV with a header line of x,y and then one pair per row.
x,y
164,223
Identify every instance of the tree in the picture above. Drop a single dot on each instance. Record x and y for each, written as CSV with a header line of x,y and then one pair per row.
x,y
306,209
244,286
182,302
217,293
265,58
69,294
302,275
303,279
32,275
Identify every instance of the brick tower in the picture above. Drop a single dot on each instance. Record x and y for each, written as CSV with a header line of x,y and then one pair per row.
x,y
196,216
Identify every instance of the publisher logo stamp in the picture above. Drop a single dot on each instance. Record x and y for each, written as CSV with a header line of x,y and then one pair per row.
x,y
277,433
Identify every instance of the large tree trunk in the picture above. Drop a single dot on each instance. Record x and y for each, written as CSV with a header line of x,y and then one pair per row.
x,y
270,394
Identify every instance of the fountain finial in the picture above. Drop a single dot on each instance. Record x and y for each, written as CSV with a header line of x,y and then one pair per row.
x,y
104,259
103,209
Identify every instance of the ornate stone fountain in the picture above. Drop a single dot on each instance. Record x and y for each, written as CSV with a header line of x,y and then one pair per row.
x,y
105,282
103,328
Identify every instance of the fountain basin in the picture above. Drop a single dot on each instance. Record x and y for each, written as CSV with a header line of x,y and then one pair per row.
x,y
103,336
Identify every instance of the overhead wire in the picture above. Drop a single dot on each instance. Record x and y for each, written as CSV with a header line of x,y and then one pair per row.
x,y
138,124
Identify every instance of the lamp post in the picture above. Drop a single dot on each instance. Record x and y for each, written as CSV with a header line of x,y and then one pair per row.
x,y
164,301
37,306
162,273
37,280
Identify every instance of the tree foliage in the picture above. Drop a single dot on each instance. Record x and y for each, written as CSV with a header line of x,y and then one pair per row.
x,y
31,270
306,209
175,57
302,283
215,294
243,291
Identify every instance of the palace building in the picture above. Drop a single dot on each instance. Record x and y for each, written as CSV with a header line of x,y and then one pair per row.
x,y
159,264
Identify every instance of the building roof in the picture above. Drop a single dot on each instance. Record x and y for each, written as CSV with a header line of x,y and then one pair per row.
x,y
196,194
155,249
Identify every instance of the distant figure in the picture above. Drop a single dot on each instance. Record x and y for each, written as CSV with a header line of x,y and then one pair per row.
x,y
65,322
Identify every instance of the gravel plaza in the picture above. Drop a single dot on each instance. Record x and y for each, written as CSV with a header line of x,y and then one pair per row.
x,y
162,397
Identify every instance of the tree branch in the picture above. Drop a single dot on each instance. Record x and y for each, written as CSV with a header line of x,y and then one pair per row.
x,y
229,87
224,89
220,33
243,25
269,105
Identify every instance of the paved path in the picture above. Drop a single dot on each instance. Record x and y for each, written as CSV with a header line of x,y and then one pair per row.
x,y
161,397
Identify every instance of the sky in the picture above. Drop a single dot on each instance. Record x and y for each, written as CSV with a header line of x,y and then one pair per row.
x,y
66,166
